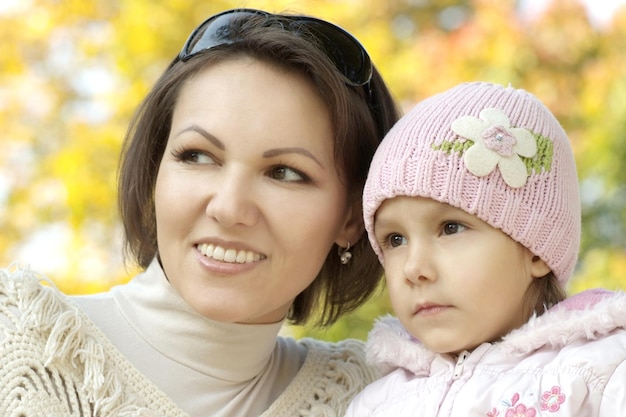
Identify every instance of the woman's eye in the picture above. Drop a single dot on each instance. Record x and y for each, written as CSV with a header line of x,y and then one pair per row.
x,y
396,240
451,228
195,157
283,173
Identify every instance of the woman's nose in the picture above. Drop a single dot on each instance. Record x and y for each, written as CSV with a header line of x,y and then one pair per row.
x,y
232,202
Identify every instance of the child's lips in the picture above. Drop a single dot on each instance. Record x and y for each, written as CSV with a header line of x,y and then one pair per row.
x,y
429,309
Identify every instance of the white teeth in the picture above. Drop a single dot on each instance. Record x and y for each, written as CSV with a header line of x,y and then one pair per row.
x,y
218,253
242,256
228,255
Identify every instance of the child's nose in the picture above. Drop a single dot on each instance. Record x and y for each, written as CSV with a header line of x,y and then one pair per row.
x,y
420,265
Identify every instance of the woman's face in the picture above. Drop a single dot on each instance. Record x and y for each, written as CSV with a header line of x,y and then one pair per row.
x,y
248,200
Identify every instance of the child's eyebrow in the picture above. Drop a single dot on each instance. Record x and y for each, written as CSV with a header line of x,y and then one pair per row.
x,y
384,223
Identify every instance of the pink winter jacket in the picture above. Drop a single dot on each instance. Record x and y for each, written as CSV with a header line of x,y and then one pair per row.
x,y
568,362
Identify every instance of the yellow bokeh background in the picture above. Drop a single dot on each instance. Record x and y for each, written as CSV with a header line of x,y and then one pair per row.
x,y
72,73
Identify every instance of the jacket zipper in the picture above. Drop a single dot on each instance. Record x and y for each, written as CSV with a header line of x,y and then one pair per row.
x,y
458,369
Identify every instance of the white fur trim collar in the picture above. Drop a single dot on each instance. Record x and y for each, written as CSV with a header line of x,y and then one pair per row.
x,y
586,316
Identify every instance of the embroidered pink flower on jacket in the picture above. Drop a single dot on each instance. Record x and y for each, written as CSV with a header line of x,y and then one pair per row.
x,y
520,410
496,144
493,413
552,400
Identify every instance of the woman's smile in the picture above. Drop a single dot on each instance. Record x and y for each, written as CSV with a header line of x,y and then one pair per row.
x,y
222,254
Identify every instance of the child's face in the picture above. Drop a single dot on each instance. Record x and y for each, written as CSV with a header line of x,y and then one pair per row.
x,y
454,281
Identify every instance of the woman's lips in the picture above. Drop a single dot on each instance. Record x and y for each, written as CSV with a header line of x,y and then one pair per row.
x,y
222,254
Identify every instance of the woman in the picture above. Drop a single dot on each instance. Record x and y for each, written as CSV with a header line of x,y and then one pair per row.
x,y
240,189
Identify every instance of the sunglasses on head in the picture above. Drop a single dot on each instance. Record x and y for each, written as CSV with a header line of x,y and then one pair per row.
x,y
346,53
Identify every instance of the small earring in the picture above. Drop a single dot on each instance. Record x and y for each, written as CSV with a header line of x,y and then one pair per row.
x,y
344,255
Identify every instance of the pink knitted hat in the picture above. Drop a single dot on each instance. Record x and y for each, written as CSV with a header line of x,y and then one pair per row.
x,y
494,152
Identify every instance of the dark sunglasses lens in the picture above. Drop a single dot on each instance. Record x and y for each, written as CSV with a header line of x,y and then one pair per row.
x,y
346,52
214,31
343,50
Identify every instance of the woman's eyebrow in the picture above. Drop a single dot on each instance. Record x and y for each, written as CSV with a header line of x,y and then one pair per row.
x,y
195,128
281,151
267,154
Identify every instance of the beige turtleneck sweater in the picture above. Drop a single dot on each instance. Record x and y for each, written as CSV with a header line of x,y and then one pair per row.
x,y
206,367
220,369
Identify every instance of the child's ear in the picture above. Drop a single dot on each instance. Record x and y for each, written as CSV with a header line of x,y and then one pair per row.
x,y
538,268
353,226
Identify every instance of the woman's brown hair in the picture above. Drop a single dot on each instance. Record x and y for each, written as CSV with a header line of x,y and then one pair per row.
x,y
360,116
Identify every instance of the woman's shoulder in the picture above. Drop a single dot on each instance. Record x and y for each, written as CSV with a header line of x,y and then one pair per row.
x,y
27,300
352,348
331,375
54,360
347,355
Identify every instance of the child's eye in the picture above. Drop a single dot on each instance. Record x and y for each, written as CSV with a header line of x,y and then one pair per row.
x,y
394,240
287,174
450,228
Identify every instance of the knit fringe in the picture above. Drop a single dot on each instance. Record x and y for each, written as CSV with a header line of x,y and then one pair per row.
x,y
47,312
347,375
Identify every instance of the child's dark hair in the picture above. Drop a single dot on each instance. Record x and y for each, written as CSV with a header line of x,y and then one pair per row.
x,y
542,294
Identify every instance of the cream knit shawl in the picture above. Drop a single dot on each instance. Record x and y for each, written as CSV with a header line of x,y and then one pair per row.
x,y
55,362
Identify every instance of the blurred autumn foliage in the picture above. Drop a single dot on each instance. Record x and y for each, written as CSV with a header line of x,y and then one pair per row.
x,y
72,73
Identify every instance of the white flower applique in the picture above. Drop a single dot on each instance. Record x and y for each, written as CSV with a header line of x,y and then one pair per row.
x,y
496,143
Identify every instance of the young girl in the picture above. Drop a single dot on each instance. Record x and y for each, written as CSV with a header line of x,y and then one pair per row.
x,y
472,206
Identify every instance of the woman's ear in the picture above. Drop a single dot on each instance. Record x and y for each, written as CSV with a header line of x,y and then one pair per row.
x,y
353,226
